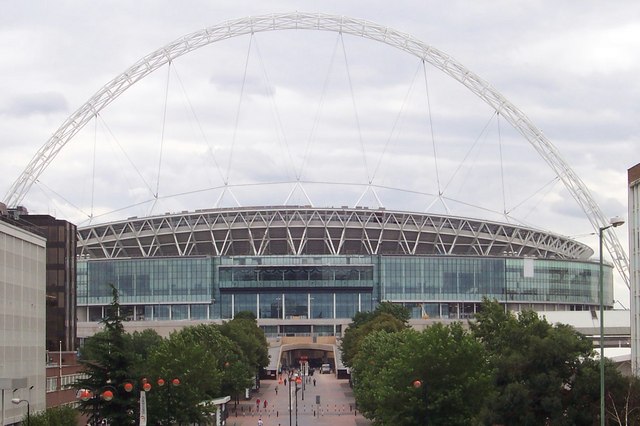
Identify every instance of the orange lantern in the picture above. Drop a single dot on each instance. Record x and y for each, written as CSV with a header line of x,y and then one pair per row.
x,y
175,382
146,386
161,382
107,395
85,394
128,386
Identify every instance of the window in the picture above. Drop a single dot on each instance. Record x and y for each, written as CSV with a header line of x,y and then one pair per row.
x,y
52,384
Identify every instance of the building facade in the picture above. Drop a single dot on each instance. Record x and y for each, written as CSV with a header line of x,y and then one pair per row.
x,y
22,320
304,270
61,280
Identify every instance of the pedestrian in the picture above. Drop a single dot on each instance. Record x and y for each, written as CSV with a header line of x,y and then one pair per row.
x,y
276,390
314,382
260,422
285,382
265,404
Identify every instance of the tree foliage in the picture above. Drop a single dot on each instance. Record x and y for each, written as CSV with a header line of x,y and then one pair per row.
x,y
196,356
107,363
387,316
542,371
244,331
447,363
55,416
209,361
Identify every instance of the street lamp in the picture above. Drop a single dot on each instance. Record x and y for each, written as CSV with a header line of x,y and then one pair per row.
x,y
298,381
417,384
614,222
18,401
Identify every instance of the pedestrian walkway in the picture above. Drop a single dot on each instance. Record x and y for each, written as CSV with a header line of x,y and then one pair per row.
x,y
336,405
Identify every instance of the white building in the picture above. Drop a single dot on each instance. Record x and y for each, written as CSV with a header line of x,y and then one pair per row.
x,y
22,322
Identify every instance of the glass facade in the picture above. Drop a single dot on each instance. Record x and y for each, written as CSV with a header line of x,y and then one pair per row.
x,y
333,287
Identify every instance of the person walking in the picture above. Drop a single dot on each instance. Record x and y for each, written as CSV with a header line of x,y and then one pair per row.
x,y
276,390
260,422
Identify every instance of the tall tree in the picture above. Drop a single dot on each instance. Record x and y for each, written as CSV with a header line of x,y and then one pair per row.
x,y
244,330
536,366
387,316
208,364
438,376
107,363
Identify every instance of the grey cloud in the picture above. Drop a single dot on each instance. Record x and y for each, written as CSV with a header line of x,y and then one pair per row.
x,y
35,103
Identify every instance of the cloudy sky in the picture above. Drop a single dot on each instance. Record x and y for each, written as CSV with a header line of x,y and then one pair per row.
x,y
319,107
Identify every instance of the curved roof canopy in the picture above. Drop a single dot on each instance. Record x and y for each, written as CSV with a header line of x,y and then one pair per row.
x,y
297,231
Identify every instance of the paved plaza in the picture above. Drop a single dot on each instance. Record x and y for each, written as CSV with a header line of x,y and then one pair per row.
x,y
336,408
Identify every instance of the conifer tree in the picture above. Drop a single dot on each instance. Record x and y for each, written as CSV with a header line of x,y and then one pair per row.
x,y
107,363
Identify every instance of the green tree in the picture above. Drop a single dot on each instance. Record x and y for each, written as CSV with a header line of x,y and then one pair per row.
x,y
141,344
536,366
250,338
583,398
208,364
387,316
438,376
55,416
107,363
244,331
398,311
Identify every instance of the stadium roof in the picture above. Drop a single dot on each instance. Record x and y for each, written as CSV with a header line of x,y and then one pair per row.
x,y
303,230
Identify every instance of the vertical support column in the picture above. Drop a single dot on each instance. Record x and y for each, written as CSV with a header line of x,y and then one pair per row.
x,y
633,175
284,314
334,305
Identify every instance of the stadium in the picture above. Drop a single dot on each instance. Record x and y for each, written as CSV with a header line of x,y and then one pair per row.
x,y
307,271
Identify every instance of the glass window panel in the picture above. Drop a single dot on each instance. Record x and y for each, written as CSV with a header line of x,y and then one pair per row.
x,y
296,305
271,305
322,305
199,312
95,313
161,312
346,305
179,312
225,306
245,302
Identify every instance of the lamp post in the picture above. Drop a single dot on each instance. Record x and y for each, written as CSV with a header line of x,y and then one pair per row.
x,y
146,386
417,384
18,401
290,408
298,381
614,222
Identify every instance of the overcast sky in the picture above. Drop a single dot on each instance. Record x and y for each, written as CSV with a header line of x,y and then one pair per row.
x,y
316,106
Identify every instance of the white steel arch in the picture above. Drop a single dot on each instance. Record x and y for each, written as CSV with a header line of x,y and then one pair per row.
x,y
324,22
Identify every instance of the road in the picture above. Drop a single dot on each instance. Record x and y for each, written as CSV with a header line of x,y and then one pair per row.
x,y
336,408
